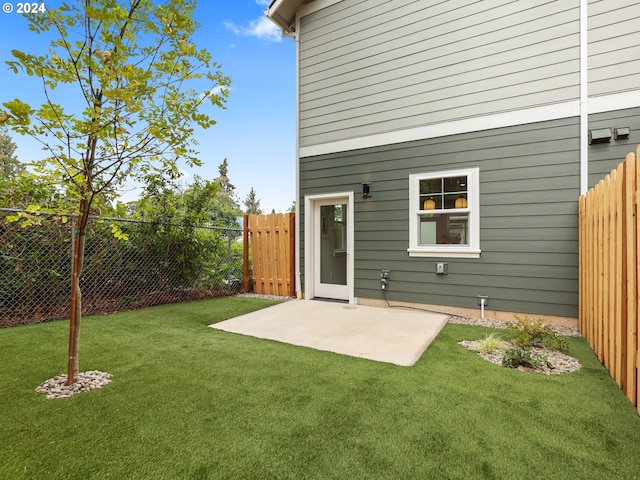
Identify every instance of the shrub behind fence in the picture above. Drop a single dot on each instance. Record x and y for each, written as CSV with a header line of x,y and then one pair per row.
x,y
159,264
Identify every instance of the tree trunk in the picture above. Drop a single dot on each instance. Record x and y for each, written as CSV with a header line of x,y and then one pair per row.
x,y
76,299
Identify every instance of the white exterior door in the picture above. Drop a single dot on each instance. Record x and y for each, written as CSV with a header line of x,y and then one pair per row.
x,y
329,246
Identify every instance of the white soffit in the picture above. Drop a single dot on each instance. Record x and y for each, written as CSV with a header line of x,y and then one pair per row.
x,y
283,13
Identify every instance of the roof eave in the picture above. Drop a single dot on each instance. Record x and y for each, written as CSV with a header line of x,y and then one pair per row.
x,y
283,14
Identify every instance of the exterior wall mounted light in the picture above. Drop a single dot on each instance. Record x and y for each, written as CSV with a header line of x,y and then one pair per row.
x,y
366,189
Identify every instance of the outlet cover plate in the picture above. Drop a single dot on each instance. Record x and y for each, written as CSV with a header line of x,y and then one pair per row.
x,y
442,268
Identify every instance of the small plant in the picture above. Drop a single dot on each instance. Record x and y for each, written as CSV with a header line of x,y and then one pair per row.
x,y
529,334
490,344
536,333
524,356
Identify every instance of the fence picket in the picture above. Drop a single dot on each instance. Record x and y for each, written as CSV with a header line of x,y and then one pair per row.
x,y
583,265
630,240
633,359
600,272
606,271
619,311
281,262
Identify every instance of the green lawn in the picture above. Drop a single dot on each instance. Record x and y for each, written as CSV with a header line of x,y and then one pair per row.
x,y
190,402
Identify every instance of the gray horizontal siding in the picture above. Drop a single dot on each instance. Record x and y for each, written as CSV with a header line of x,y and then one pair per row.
x,y
605,157
378,65
529,186
614,46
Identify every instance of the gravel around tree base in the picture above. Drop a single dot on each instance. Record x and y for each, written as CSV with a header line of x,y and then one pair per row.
x,y
57,387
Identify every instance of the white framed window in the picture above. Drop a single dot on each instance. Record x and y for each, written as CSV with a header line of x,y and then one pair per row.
x,y
444,214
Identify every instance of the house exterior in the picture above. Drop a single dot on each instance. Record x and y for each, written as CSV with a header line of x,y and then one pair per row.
x,y
448,143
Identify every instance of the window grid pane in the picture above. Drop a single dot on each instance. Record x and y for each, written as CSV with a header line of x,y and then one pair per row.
x,y
443,193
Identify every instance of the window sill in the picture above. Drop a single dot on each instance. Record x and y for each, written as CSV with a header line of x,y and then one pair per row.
x,y
444,252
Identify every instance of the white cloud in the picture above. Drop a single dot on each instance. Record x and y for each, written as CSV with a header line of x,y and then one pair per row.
x,y
262,28
232,26
263,2
216,90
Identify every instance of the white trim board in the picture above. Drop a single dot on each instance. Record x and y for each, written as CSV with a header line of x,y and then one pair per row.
x,y
616,101
543,113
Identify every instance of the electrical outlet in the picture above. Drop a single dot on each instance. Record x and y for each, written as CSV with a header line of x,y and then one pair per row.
x,y
441,268
384,278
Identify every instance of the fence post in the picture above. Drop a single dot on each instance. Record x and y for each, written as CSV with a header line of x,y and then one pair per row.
x,y
245,254
291,255
229,258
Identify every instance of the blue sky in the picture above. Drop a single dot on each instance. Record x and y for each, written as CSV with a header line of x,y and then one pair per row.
x,y
256,132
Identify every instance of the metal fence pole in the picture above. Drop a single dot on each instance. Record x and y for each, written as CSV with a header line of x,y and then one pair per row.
x,y
245,254
229,259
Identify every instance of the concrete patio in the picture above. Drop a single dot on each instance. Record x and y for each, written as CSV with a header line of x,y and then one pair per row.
x,y
397,336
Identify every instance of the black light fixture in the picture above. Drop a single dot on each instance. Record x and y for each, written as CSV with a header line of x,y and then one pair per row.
x,y
621,133
366,189
599,135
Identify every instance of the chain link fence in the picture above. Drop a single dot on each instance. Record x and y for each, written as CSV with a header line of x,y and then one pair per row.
x,y
159,264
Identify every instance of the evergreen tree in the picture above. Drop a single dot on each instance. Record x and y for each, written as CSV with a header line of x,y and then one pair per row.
x,y
226,210
223,179
10,166
252,204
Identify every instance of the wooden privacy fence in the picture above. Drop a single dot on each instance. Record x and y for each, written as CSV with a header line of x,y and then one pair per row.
x,y
609,265
271,239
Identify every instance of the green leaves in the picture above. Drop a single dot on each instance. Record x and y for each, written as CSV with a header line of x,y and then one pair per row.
x,y
116,230
33,216
515,357
129,65
537,332
20,111
532,333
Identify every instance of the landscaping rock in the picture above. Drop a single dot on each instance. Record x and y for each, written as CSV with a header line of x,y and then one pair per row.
x,y
559,363
265,297
493,323
56,387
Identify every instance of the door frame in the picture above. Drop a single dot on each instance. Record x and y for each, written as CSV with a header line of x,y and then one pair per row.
x,y
312,236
